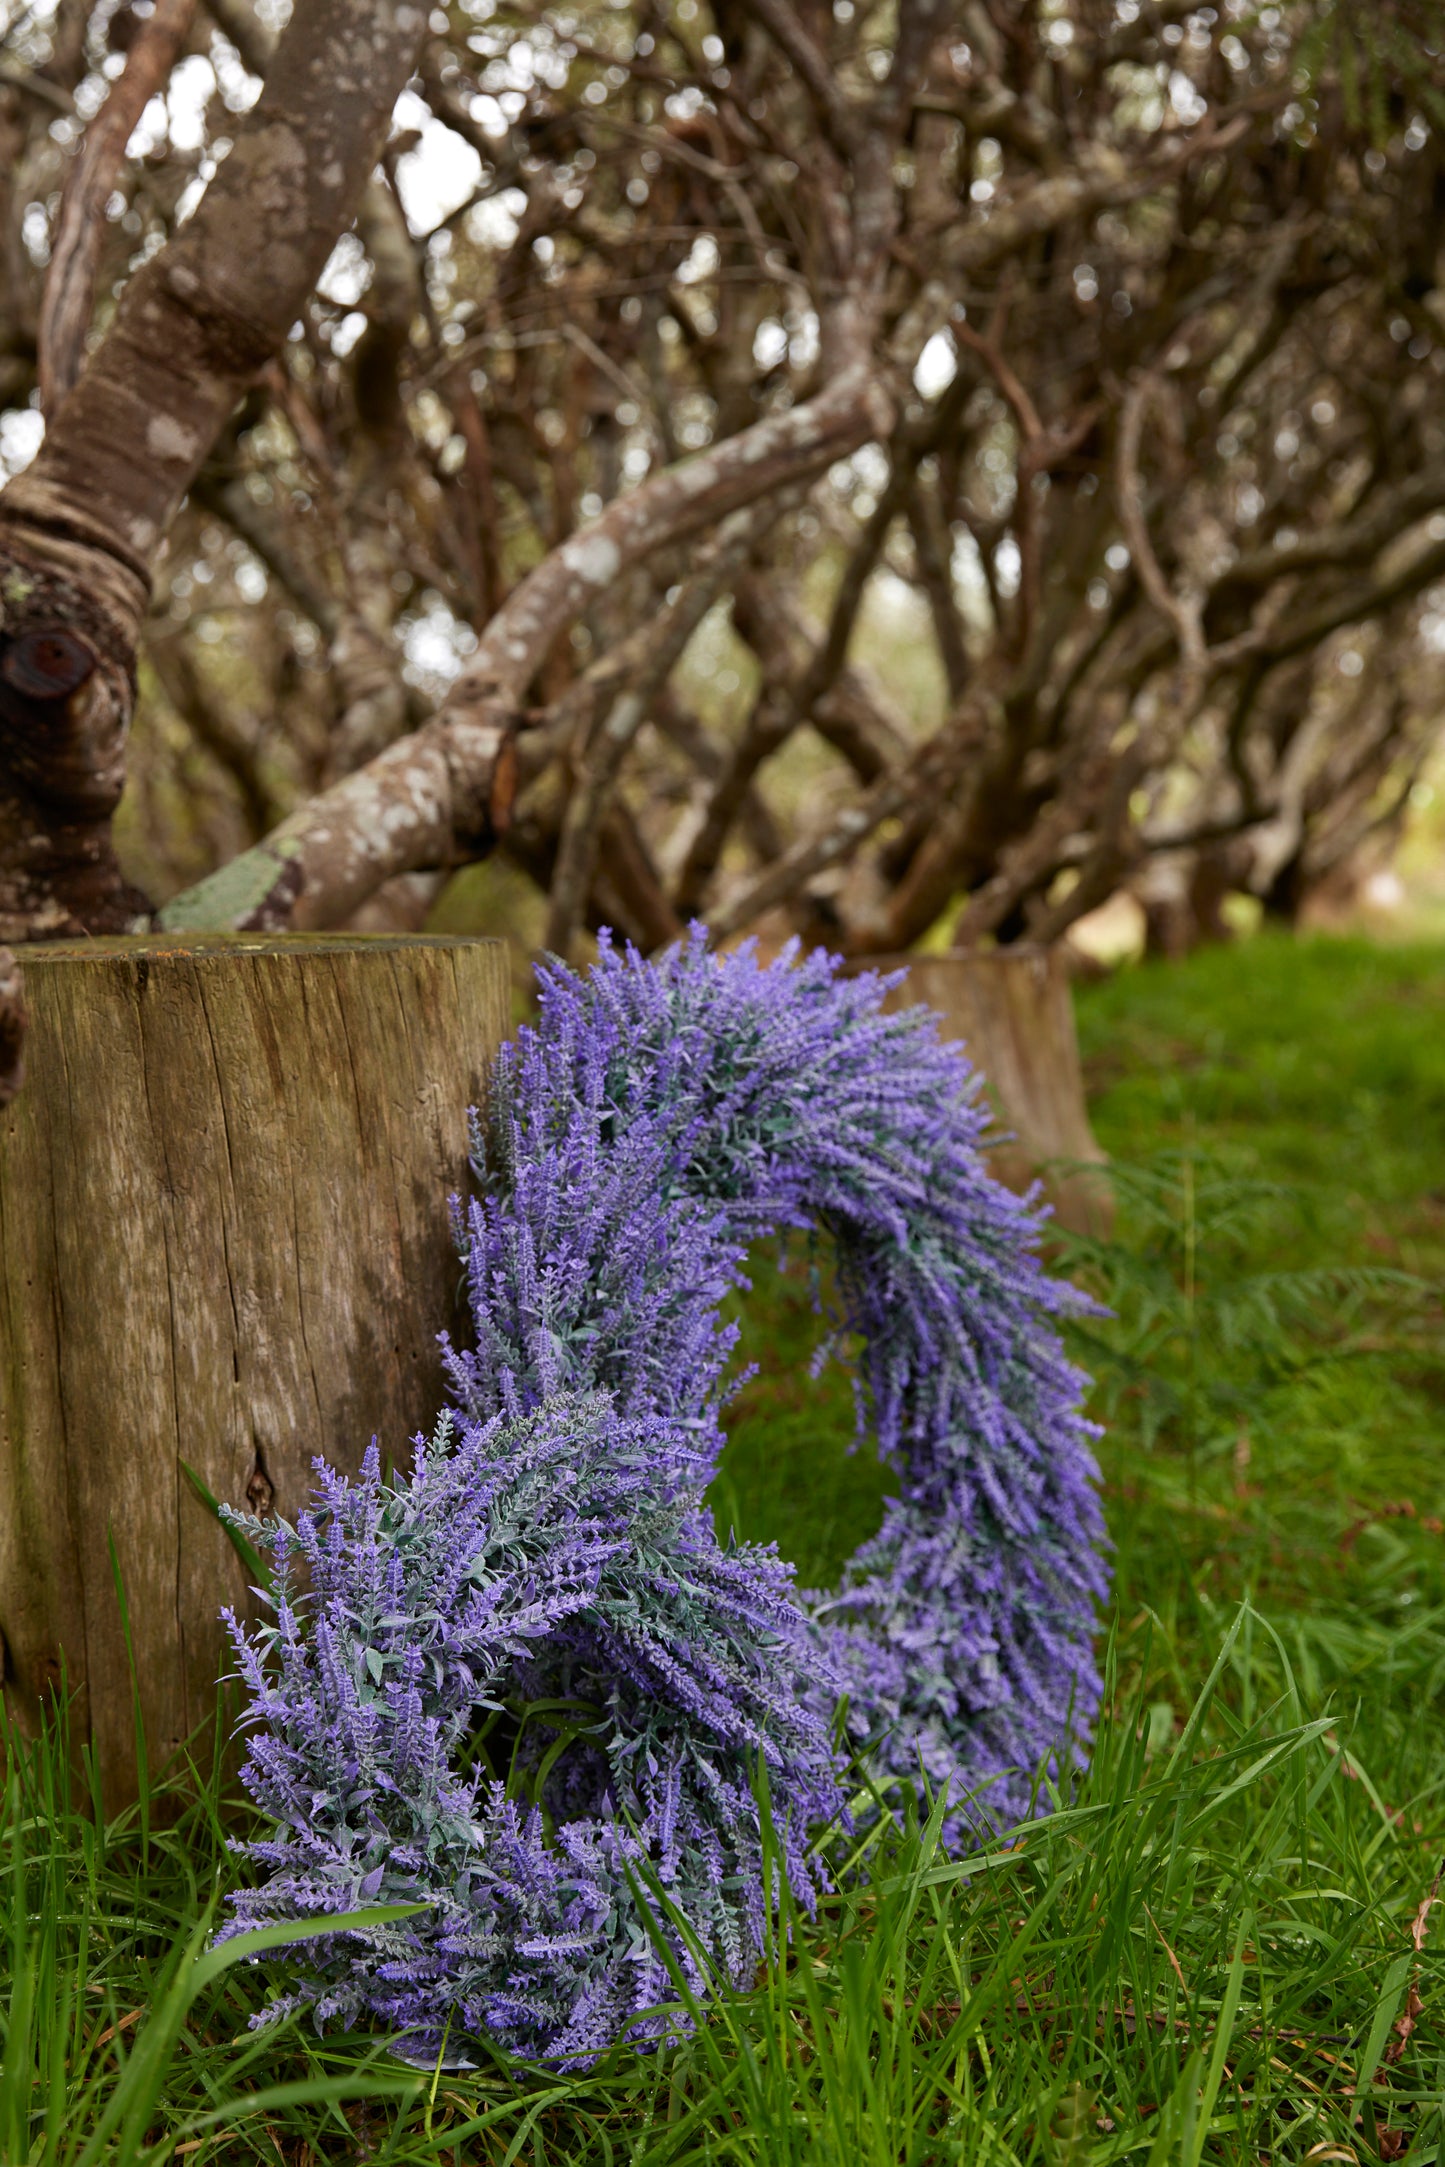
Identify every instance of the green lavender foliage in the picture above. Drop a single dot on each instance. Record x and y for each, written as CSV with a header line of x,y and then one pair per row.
x,y
1204,1959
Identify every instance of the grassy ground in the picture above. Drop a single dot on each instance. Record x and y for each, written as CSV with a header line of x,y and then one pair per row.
x,y
1216,1950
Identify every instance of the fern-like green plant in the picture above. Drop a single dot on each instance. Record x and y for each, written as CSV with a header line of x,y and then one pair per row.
x,y
1203,1339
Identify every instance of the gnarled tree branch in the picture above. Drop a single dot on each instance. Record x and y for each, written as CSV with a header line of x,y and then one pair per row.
x,y
69,298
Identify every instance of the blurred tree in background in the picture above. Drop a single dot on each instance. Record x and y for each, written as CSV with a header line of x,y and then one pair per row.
x,y
858,469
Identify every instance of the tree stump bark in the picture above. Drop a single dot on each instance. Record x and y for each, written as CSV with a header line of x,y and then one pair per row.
x,y
223,1242
1013,1009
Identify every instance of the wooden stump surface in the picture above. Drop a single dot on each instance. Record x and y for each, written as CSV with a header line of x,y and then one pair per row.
x,y
223,1241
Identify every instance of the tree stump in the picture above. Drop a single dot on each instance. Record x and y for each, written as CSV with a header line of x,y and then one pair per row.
x,y
223,1242
1013,1009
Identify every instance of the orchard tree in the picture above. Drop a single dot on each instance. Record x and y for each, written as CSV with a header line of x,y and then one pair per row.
x,y
846,467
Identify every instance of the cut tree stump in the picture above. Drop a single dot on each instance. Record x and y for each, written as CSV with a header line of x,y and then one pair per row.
x,y
1014,1011
224,1242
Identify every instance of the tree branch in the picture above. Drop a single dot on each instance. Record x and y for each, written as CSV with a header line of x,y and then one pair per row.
x,y
231,502
933,548
842,123
1353,606
1182,611
1348,543
604,755
966,731
707,754
197,322
429,799
69,298
239,24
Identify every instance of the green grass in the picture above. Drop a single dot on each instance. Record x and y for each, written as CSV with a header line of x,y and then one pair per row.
x,y
1206,1954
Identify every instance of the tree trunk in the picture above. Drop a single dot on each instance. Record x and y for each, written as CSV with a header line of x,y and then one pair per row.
x,y
1013,1010
68,624
223,1242
80,528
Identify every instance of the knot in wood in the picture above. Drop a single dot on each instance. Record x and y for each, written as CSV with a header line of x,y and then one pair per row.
x,y
48,665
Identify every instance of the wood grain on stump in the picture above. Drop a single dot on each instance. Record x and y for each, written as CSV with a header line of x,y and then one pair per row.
x,y
1013,1010
223,1241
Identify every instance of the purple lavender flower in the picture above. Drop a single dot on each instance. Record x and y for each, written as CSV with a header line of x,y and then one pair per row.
x,y
552,1579
546,1584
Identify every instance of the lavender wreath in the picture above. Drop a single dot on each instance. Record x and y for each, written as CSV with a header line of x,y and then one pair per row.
x,y
527,1671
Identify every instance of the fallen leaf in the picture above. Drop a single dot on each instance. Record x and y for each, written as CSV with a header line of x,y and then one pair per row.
x,y
1404,2024
1421,1924
124,2025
